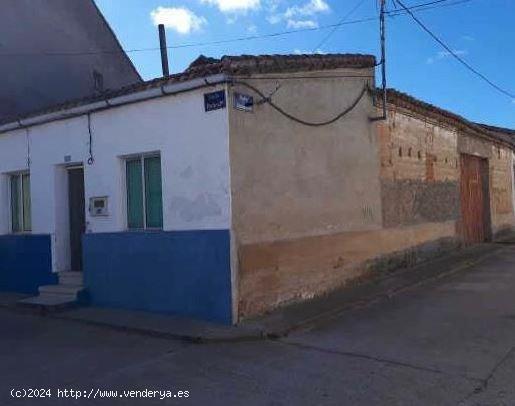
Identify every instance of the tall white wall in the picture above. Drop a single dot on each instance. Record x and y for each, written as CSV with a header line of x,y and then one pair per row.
x,y
194,163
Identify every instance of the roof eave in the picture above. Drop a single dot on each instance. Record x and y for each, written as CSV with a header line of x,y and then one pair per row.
x,y
116,101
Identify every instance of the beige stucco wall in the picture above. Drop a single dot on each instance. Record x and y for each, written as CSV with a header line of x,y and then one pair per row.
x,y
290,180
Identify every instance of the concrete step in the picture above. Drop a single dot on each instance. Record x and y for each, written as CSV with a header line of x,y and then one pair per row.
x,y
49,302
70,290
71,278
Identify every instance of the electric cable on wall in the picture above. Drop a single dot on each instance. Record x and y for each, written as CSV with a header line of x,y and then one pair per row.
x,y
90,159
27,133
297,119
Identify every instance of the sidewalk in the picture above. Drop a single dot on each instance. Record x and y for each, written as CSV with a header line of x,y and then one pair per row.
x,y
282,321
144,323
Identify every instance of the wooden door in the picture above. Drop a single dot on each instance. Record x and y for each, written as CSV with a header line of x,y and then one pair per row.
x,y
475,213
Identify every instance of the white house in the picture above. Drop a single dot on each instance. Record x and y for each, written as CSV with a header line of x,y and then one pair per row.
x,y
145,175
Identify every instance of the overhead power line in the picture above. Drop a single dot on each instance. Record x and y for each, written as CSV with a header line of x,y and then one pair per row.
x,y
455,55
393,13
345,18
428,5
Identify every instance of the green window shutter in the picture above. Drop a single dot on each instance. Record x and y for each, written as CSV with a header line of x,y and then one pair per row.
x,y
153,193
27,218
15,203
134,194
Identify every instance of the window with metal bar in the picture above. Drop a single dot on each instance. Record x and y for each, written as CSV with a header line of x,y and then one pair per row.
x,y
144,193
21,219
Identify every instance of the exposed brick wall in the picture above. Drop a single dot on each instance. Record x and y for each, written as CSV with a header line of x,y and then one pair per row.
x,y
408,202
419,171
412,148
501,187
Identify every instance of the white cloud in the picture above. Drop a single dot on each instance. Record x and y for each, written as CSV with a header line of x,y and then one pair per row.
x,y
234,6
445,54
308,9
273,5
299,24
180,19
297,16
274,19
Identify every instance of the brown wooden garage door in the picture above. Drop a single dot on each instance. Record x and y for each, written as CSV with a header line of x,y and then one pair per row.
x,y
475,208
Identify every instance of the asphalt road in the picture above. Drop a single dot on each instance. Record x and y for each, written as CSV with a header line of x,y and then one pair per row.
x,y
447,343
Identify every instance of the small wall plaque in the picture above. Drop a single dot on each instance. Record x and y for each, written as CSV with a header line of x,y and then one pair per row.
x,y
214,100
243,102
67,158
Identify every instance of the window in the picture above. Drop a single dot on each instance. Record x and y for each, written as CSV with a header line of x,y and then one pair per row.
x,y
20,203
144,196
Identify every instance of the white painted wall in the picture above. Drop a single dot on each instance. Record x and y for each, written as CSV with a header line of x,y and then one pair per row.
x,y
194,148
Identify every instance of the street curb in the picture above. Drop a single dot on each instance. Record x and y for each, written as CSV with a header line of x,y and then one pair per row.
x,y
193,339
187,338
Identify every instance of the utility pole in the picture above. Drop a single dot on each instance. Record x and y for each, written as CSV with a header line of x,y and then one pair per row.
x,y
382,30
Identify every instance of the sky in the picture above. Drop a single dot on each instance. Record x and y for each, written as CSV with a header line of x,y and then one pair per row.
x,y
479,31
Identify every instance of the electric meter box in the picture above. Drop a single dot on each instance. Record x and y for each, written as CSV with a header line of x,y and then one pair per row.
x,y
98,206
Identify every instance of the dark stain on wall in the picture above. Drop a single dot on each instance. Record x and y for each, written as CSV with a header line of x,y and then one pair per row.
x,y
407,202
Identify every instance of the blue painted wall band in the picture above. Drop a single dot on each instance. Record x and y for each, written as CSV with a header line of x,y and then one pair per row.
x,y
185,273
25,263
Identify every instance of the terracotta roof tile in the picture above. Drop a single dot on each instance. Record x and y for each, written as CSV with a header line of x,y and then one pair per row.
x,y
230,65
404,100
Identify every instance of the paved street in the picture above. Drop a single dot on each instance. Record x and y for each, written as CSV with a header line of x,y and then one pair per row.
x,y
447,343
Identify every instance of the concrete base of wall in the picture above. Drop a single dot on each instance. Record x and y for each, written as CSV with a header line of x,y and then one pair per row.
x,y
277,273
25,263
186,273
502,232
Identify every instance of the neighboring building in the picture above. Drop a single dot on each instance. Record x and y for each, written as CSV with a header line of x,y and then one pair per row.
x,y
220,193
56,50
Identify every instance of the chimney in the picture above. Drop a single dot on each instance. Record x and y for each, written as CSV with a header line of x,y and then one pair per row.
x,y
164,50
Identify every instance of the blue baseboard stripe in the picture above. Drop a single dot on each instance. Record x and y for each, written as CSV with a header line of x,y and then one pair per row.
x,y
25,263
186,273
